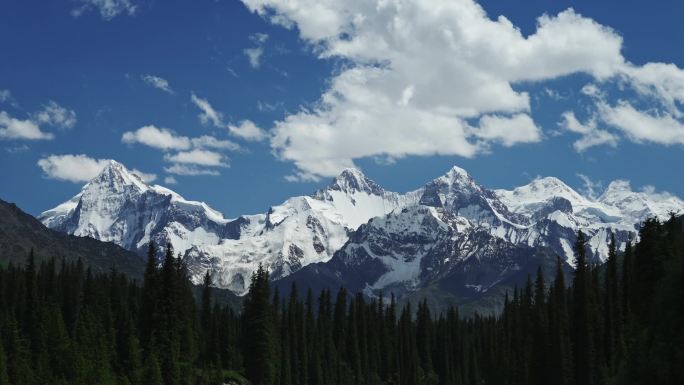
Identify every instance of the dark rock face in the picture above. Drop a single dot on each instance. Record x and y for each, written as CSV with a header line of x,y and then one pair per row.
x,y
20,232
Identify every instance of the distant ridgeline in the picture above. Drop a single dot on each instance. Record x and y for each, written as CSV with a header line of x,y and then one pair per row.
x,y
618,323
451,240
20,233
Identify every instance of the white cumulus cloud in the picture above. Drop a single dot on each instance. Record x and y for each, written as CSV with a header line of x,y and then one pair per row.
x,y
247,130
519,128
12,128
591,135
71,168
80,168
417,70
160,138
658,127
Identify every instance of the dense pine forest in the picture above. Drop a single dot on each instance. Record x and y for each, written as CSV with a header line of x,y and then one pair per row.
x,y
618,323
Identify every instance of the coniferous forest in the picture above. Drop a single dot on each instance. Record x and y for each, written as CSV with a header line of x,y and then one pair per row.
x,y
618,323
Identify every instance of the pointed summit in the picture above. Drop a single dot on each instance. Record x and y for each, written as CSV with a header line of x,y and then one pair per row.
x,y
116,176
457,178
352,180
457,172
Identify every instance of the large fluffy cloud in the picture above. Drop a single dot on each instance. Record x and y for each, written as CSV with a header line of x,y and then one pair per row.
x,y
419,71
12,128
426,77
160,138
80,168
71,168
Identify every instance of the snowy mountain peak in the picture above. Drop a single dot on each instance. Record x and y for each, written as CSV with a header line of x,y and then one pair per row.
x,y
542,189
352,180
449,219
116,176
457,173
640,204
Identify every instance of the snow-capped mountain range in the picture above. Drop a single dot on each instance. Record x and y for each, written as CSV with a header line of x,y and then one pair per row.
x,y
353,228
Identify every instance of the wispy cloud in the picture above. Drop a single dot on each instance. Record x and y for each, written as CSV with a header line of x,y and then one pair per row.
x,y
186,170
254,54
590,189
198,157
17,149
208,114
108,9
5,96
158,83
55,115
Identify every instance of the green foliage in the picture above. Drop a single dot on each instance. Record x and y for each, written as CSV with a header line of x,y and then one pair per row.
x,y
620,323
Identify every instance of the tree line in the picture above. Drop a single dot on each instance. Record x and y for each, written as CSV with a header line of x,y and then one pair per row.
x,y
618,323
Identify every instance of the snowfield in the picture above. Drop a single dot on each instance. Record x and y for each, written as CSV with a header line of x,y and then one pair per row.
x,y
117,206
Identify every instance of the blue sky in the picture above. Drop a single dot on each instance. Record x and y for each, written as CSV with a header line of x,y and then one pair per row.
x,y
272,101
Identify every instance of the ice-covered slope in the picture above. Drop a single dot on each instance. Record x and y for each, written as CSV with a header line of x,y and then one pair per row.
x,y
557,212
117,206
468,239
405,239
636,206
302,230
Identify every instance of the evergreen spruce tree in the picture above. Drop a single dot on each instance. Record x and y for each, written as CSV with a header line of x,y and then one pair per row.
x,y
613,308
152,374
626,284
258,336
4,378
540,373
582,333
560,356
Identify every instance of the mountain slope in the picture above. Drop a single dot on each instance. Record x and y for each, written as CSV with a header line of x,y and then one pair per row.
x,y
20,232
300,231
117,206
353,228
